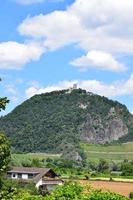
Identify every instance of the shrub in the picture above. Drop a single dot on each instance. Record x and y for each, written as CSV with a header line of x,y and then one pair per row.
x,y
131,195
69,191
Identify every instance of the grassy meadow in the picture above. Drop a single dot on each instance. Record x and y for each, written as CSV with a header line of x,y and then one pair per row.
x,y
20,158
113,152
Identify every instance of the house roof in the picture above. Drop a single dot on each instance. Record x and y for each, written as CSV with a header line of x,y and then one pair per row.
x,y
33,170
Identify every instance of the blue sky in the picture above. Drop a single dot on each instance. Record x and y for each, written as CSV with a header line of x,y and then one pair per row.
x,y
48,45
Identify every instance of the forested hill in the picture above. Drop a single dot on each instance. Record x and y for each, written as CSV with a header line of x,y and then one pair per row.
x,y
56,122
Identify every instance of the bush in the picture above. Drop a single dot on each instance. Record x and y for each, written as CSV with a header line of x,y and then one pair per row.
x,y
69,191
127,169
100,195
131,195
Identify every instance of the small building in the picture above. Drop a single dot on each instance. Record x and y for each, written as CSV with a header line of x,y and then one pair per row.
x,y
44,178
75,86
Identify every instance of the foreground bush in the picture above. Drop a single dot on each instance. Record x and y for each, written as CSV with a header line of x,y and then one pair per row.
x,y
100,195
74,191
69,191
131,195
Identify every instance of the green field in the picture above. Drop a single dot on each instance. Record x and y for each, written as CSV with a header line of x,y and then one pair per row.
x,y
18,159
114,152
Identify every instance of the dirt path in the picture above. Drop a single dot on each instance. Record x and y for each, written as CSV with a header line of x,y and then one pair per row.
x,y
118,187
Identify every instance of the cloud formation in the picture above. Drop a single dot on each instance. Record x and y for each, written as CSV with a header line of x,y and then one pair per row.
x,y
99,25
114,89
15,55
98,60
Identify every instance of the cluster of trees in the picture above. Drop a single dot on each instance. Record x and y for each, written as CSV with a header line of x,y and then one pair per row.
x,y
127,168
53,122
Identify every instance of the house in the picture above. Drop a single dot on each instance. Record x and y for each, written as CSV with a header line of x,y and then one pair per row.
x,y
44,178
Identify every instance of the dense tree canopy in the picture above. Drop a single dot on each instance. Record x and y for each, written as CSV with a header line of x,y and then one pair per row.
x,y
53,122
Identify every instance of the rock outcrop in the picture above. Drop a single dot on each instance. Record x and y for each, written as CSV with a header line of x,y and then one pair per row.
x,y
101,131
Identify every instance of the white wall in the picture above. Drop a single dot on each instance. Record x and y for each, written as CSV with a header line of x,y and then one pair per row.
x,y
14,176
39,183
24,176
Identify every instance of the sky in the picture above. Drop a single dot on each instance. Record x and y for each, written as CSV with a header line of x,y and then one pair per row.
x,y
48,45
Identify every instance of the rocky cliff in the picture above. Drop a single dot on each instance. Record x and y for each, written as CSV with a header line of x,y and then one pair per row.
x,y
106,130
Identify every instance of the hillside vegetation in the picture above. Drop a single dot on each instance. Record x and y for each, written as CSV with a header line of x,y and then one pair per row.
x,y
57,122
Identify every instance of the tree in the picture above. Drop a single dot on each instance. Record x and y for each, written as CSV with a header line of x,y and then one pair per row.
x,y
127,169
4,143
3,102
4,153
103,166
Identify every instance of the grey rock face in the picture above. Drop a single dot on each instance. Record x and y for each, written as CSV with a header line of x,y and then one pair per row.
x,y
115,129
101,131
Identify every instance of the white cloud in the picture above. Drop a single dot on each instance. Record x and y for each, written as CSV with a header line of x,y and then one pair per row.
x,y
114,89
15,55
99,24
29,2
99,60
43,27
39,90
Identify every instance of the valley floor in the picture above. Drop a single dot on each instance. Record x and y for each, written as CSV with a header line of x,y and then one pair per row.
x,y
113,152
118,187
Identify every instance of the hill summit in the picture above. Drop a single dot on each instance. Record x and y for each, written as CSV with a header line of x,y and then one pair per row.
x,y
60,120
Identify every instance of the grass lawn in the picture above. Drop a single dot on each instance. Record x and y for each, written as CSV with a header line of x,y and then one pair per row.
x,y
114,152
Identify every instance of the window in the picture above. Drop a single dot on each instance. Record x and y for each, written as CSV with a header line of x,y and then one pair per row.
x,y
19,175
30,176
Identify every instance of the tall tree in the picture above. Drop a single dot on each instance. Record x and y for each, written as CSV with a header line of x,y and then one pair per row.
x,y
4,143
4,153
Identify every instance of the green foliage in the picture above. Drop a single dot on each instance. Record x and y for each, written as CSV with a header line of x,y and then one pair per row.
x,y
4,153
36,163
127,169
3,102
131,195
52,122
111,152
10,184
103,166
69,191
100,195
4,144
